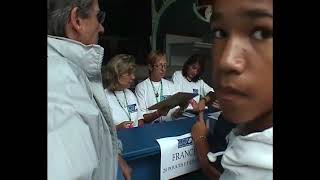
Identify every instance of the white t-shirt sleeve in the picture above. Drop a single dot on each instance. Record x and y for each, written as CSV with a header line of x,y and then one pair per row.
x,y
140,94
206,88
176,81
173,90
175,77
140,114
135,101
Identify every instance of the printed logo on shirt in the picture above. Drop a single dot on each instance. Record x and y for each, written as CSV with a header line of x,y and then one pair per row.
x,y
132,108
184,142
195,91
164,97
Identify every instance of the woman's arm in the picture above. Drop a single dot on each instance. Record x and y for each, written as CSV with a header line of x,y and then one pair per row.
x,y
148,118
124,124
204,101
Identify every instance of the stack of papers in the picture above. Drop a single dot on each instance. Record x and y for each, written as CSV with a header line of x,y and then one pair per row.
x,y
177,99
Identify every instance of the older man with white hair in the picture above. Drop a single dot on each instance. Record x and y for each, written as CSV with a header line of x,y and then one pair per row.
x,y
82,141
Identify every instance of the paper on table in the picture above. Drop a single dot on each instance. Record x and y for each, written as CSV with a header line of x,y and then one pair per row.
x,y
174,100
187,114
214,115
211,121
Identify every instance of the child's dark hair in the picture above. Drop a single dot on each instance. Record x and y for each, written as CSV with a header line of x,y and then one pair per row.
x,y
195,58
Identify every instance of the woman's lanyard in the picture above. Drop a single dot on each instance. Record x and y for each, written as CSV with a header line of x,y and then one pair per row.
x,y
156,93
200,91
126,105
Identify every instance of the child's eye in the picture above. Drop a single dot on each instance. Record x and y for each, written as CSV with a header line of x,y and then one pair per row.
x,y
262,34
219,34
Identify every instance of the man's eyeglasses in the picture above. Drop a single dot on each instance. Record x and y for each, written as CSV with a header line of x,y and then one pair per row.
x,y
101,16
163,66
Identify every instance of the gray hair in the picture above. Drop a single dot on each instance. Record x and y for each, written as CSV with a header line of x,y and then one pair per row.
x,y
59,12
118,65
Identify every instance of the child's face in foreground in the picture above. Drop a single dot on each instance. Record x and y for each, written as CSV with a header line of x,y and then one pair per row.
x,y
243,60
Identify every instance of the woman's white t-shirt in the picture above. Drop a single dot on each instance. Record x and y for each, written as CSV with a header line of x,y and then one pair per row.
x,y
122,104
146,95
183,85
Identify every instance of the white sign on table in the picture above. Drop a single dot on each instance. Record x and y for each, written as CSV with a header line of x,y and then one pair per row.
x,y
178,156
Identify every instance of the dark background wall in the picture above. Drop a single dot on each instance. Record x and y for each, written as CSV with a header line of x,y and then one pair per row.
x,y
127,28
180,19
128,18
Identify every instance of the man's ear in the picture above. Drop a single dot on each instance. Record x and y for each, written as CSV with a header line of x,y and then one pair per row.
x,y
74,19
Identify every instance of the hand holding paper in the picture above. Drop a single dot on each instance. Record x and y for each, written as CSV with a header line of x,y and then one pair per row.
x,y
201,106
163,111
125,124
178,99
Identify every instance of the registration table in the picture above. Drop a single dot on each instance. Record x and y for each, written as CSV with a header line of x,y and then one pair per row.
x,y
142,152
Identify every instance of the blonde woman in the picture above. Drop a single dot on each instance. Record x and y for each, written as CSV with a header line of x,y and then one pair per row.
x,y
123,103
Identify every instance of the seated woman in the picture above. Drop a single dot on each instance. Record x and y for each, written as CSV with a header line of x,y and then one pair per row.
x,y
189,80
155,89
123,103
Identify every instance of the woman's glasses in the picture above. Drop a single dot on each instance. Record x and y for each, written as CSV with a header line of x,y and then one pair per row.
x,y
163,66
